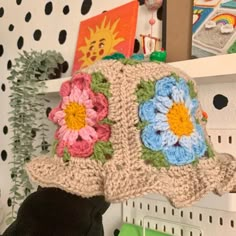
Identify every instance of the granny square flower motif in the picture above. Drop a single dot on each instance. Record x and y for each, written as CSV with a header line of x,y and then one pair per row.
x,y
171,127
79,117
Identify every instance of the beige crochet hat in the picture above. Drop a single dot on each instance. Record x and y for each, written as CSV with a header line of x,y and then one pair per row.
x,y
128,128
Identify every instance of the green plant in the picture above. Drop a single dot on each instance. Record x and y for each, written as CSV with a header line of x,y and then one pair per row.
x,y
27,101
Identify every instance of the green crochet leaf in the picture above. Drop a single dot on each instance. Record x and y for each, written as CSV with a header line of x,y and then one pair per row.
x,y
192,92
145,91
175,76
66,155
107,121
100,84
142,124
129,61
209,150
54,146
195,162
102,151
155,158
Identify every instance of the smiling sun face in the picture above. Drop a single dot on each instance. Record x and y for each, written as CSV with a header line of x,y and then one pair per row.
x,y
102,42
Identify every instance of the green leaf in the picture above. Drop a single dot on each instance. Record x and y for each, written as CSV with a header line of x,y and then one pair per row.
x,y
195,162
192,92
155,158
129,61
28,69
10,220
107,121
145,91
209,151
142,124
102,151
100,84
66,155
175,76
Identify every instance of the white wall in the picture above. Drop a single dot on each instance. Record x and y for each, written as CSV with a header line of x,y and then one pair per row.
x,y
12,15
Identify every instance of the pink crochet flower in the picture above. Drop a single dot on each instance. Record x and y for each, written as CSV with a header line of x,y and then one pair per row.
x,y
78,116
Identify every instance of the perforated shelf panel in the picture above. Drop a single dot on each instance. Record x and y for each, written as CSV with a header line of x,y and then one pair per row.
x,y
212,216
195,221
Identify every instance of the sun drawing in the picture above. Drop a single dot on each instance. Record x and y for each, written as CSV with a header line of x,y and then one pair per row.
x,y
102,41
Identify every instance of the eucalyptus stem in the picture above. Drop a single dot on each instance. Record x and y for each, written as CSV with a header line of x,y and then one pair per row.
x,y
27,76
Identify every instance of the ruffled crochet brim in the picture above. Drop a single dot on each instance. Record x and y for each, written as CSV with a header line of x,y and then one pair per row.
x,y
181,185
82,177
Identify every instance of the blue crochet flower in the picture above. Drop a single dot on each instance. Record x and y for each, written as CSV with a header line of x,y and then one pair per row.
x,y
172,126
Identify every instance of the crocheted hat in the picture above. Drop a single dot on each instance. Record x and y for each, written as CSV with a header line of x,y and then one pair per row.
x,y
128,128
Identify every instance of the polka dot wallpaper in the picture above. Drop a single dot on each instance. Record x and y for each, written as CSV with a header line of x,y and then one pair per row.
x,y
43,25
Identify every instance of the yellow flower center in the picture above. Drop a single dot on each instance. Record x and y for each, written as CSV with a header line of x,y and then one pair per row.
x,y
179,120
75,116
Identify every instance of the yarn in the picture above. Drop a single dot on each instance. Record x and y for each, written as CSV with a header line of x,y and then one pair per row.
x,y
139,148
171,125
179,120
78,116
75,115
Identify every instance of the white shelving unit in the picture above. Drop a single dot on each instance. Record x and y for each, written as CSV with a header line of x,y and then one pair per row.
x,y
213,215
216,69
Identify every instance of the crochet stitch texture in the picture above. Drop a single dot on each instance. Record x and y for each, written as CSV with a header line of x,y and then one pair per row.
x,y
157,136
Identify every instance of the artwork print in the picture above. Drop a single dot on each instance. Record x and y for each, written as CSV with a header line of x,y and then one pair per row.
x,y
214,38
107,33
214,27
199,15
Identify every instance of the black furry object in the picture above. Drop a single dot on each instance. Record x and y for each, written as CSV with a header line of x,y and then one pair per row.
x,y
53,212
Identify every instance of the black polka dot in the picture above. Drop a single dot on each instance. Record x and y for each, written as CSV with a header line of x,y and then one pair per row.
x,y
9,64
66,9
48,110
220,101
141,2
86,5
5,129
33,133
28,16
11,27
18,2
65,66
44,145
3,87
1,11
62,36
136,46
20,42
104,11
37,35
4,155
1,50
48,8
9,202
116,232
159,13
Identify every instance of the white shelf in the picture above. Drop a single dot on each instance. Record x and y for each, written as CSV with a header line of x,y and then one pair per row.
x,y
53,86
215,69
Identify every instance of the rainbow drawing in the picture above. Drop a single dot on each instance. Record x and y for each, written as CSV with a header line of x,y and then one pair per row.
x,y
225,18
